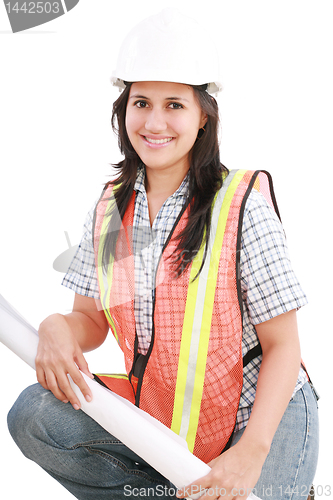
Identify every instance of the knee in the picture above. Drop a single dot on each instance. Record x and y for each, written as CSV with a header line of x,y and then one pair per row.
x,y
22,419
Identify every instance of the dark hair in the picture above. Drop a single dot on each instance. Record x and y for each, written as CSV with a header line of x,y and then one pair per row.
x,y
205,179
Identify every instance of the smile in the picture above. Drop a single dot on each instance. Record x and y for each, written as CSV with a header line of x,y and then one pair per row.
x,y
158,141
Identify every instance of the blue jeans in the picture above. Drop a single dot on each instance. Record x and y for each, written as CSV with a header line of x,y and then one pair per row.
x,y
93,465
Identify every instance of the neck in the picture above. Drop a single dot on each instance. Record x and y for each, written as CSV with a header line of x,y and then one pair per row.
x,y
159,183
159,186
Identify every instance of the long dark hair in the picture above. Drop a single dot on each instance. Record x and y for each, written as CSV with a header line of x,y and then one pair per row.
x,y
205,179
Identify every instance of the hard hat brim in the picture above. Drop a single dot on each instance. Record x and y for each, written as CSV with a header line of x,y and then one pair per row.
x,y
212,87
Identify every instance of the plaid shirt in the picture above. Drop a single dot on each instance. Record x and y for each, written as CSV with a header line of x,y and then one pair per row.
x,y
269,285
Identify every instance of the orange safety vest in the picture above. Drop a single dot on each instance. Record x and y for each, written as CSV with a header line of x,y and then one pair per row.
x,y
192,375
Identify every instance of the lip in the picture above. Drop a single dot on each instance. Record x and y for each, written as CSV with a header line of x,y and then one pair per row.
x,y
157,138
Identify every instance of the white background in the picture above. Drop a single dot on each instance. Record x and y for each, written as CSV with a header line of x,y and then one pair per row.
x,y
56,146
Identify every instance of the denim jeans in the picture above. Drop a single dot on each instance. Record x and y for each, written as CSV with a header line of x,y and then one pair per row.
x,y
93,465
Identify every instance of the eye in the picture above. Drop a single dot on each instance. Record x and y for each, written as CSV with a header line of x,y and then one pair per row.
x,y
141,104
175,105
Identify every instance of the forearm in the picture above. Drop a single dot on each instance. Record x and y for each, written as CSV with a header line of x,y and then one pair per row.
x,y
86,331
86,323
276,382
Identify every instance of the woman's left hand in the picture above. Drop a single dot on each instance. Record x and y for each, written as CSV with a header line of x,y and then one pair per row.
x,y
233,475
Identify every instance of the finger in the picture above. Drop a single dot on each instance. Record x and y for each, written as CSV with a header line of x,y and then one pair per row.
x,y
78,379
197,492
41,377
203,488
193,490
65,386
83,365
213,493
53,386
208,494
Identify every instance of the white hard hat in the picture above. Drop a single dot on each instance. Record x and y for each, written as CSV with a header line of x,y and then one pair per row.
x,y
168,47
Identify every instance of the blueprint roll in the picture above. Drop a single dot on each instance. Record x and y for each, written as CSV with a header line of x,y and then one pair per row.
x,y
17,334
170,457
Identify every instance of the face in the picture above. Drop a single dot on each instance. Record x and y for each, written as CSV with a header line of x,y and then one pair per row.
x,y
162,123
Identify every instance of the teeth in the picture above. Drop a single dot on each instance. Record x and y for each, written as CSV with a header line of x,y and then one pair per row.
x,y
158,141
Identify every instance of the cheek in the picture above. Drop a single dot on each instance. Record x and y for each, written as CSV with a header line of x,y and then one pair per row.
x,y
190,125
188,133
128,124
131,123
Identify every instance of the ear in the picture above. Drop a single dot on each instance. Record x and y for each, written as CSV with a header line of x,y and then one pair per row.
x,y
204,119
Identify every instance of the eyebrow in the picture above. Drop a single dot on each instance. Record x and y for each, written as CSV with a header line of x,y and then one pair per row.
x,y
177,99
174,98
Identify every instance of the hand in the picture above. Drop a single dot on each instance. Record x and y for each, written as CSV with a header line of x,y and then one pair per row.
x,y
59,355
233,475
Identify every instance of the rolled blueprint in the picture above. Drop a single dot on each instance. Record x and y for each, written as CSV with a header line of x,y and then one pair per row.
x,y
164,450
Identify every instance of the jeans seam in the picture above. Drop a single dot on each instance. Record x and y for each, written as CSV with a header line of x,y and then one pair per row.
x,y
301,459
86,444
111,459
314,393
131,472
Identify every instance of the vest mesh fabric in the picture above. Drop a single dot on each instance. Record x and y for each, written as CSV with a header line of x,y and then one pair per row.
x,y
208,405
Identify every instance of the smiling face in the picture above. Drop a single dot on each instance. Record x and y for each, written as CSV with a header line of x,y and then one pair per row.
x,y
162,123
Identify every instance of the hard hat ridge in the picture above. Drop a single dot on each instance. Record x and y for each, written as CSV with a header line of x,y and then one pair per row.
x,y
170,47
167,15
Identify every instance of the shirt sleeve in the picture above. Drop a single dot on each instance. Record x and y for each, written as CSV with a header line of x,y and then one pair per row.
x,y
268,282
81,276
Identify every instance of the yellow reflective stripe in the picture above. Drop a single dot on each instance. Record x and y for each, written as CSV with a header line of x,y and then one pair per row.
x,y
190,342
197,321
208,311
185,345
105,281
256,184
113,375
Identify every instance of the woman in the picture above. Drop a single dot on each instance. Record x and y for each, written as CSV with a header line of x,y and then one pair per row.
x,y
187,264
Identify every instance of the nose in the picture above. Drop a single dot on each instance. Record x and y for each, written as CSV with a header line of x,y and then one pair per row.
x,y
156,122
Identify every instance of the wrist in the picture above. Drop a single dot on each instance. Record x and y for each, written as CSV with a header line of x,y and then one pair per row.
x,y
255,446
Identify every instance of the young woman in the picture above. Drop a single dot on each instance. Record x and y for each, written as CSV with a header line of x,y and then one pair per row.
x,y
187,264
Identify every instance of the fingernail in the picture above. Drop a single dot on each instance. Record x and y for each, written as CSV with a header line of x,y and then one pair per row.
x,y
65,401
88,398
76,406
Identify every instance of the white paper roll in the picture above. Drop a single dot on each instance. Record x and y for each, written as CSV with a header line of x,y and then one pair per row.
x,y
164,450
17,334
